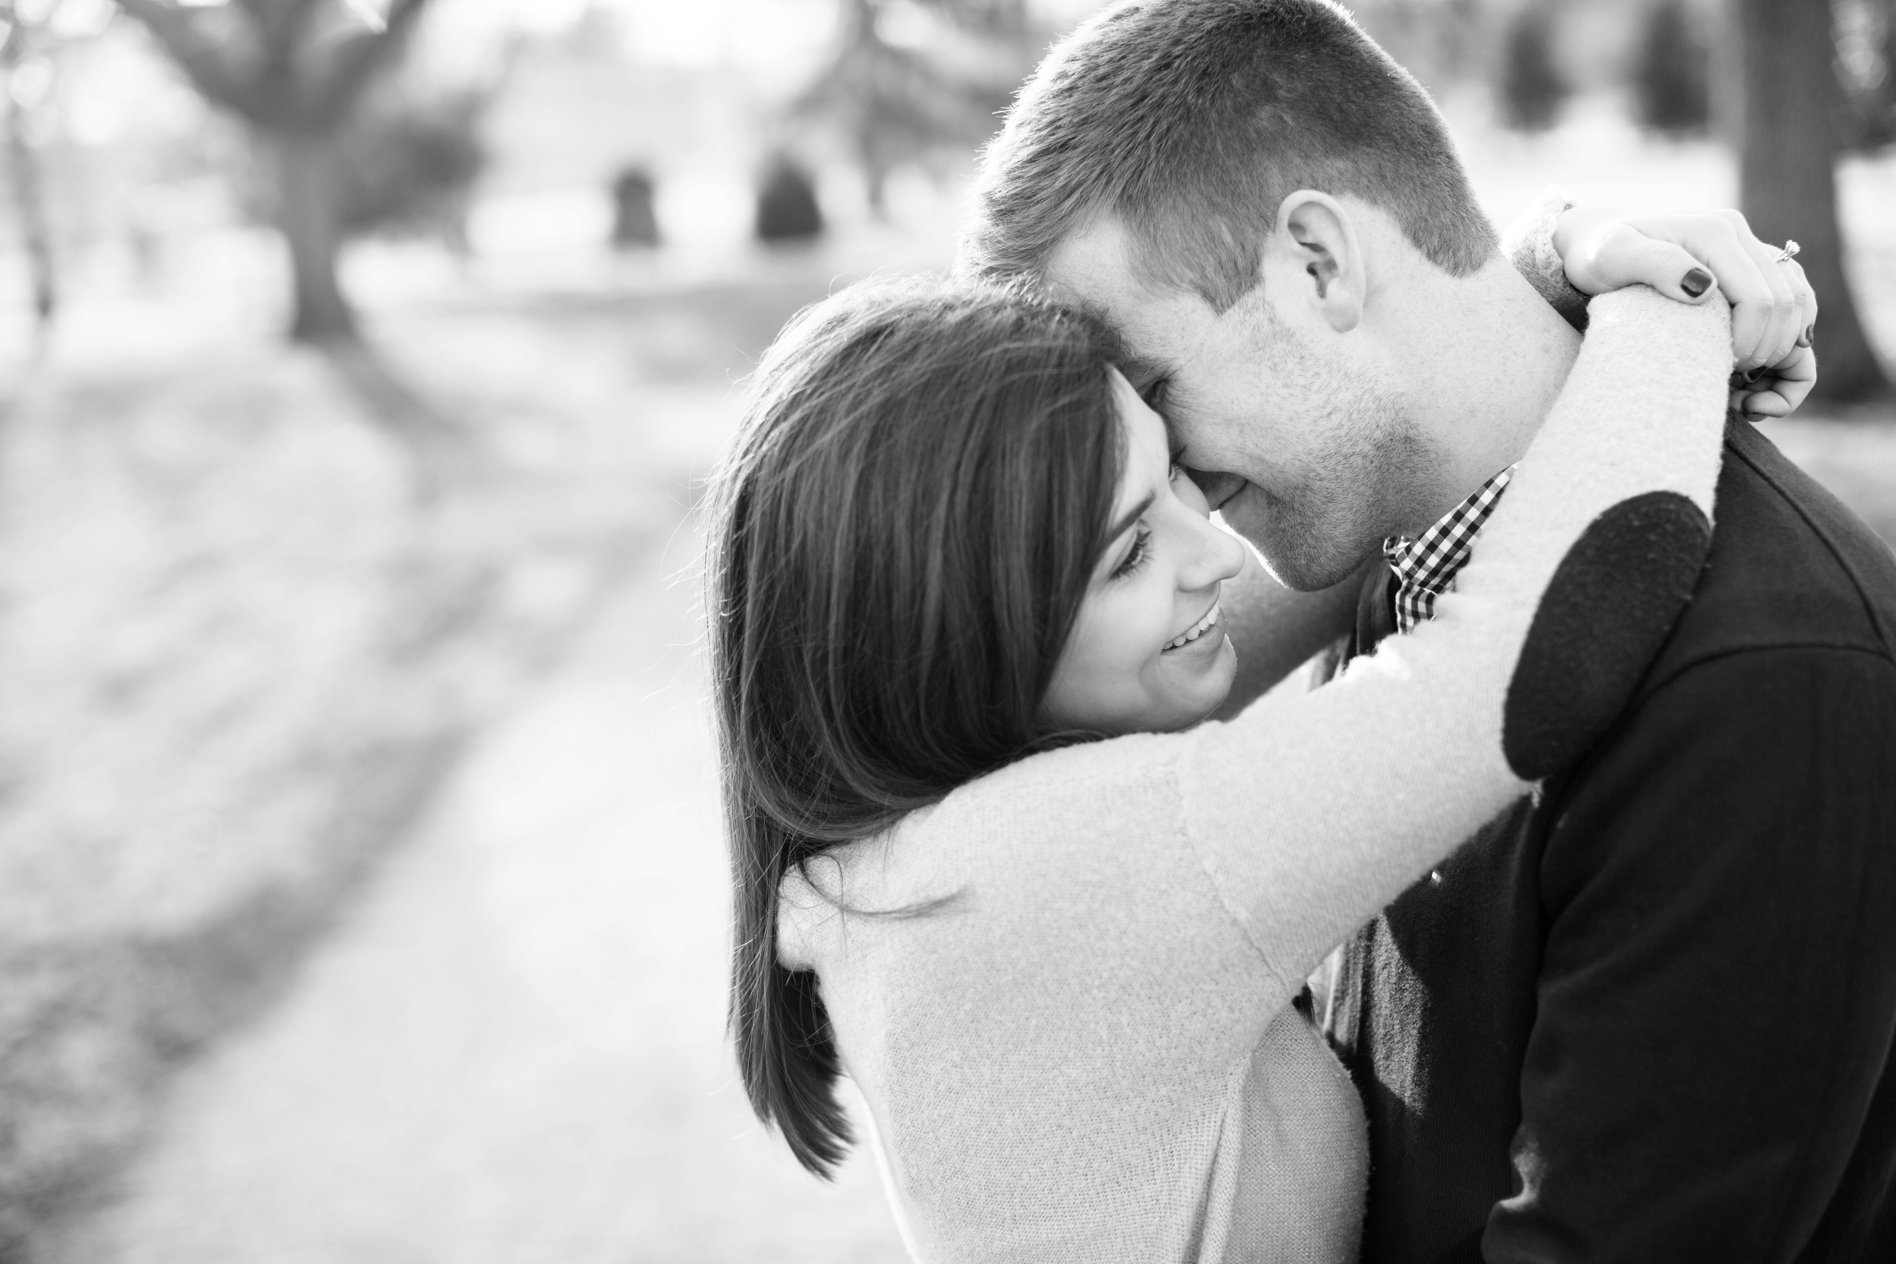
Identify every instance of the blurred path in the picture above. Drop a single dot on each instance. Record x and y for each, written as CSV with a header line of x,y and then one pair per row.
x,y
514,1051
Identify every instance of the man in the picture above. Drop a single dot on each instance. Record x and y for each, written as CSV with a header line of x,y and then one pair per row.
x,y
1648,1012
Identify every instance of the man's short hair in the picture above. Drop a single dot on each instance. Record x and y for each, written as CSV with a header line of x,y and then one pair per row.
x,y
1191,120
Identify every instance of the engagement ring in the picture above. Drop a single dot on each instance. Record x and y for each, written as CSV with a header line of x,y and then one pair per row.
x,y
1789,252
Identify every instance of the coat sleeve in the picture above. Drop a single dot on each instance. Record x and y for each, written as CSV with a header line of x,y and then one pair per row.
x,y
1718,992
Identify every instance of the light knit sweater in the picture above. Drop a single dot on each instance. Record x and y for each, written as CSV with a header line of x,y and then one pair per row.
x,y
1088,1052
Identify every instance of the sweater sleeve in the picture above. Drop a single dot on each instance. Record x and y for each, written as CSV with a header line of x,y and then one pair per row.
x,y
1528,243
1310,816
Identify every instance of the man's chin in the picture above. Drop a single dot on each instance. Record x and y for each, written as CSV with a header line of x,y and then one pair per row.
x,y
1300,576
1300,554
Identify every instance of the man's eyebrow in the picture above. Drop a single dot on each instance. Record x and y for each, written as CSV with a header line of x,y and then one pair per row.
x,y
1141,372
1132,515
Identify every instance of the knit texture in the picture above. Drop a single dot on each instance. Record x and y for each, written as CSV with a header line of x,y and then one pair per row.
x,y
1529,243
1088,1052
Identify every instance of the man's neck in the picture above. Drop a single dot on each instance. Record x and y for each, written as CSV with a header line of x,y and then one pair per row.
x,y
1488,363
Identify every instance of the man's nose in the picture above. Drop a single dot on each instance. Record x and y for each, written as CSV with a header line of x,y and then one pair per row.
x,y
1218,487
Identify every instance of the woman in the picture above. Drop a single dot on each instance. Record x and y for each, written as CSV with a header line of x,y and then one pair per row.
x,y
1059,970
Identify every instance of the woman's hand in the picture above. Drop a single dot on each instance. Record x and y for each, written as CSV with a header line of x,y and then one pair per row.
x,y
1691,255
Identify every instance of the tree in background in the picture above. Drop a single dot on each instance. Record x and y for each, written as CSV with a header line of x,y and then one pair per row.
x,y
1532,87
894,101
26,74
1793,121
406,165
1866,55
295,73
1670,74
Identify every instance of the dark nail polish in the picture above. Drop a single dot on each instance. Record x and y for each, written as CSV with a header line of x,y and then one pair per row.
x,y
1696,282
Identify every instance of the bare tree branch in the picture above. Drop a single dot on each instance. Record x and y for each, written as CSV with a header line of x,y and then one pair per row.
x,y
200,56
356,62
281,26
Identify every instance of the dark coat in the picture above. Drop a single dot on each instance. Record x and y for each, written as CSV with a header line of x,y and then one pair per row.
x,y
1648,1014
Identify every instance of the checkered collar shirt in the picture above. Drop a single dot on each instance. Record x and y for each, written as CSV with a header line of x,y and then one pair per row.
x,y
1426,566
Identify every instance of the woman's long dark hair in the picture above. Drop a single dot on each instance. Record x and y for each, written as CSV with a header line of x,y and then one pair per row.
x,y
900,543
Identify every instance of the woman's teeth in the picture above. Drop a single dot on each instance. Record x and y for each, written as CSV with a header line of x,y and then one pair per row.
x,y
1197,630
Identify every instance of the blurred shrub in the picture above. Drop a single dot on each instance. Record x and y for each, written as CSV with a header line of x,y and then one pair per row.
x,y
786,204
407,166
1670,83
1532,88
634,221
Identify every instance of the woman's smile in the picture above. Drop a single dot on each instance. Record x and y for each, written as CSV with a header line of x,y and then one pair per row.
x,y
1196,633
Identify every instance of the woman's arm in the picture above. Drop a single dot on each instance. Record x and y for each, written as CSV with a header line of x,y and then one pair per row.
x,y
1569,253
1312,816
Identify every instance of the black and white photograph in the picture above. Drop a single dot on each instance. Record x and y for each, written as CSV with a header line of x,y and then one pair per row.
x,y
947,631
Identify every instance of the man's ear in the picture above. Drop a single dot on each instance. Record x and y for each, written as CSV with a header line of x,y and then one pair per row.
x,y
1322,237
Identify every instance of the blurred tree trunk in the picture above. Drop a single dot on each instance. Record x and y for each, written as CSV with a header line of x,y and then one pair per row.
x,y
24,168
1787,186
31,207
305,170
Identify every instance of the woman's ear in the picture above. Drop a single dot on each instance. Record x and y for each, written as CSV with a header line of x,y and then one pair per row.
x,y
1319,233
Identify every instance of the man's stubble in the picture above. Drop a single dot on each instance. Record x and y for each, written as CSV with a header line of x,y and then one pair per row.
x,y
1361,472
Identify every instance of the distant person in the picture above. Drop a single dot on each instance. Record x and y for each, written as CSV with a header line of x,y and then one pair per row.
x,y
787,210
1646,1013
951,548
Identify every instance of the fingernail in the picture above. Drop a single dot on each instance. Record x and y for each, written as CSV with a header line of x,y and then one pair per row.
x,y
1696,282
1752,375
1810,332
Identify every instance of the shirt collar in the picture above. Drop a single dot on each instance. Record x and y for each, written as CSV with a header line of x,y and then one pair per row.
x,y
1425,567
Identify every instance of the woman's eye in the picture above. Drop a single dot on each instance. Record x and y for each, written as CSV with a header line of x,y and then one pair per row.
x,y
1154,394
1136,555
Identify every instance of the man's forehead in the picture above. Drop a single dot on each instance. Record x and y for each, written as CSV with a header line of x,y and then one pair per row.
x,y
1093,267
1095,257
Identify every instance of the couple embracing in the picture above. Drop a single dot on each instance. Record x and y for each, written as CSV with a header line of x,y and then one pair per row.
x,y
1587,835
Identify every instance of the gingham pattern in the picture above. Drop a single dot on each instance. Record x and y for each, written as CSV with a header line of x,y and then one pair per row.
x,y
1426,566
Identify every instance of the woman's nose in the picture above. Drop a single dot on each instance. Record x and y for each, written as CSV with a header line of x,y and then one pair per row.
x,y
1217,556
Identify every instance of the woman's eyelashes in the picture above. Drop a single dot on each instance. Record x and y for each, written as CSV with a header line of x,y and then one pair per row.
x,y
1136,555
